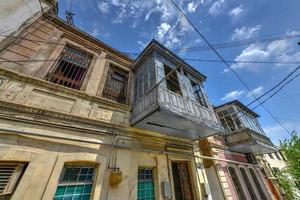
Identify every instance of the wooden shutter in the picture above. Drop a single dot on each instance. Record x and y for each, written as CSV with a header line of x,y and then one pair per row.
x,y
160,73
185,180
9,175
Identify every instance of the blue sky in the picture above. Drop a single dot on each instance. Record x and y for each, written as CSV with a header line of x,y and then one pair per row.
x,y
128,25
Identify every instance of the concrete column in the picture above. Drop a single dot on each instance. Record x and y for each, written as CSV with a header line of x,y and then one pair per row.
x,y
96,74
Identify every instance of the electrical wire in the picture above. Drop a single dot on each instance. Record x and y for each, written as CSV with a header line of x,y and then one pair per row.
x,y
225,62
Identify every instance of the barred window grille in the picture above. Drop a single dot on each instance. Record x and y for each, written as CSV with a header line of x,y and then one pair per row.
x,y
70,69
145,184
9,176
116,85
76,182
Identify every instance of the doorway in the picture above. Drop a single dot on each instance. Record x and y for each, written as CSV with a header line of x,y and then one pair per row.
x,y
182,182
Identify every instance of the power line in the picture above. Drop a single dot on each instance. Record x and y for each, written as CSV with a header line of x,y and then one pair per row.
x,y
277,91
225,62
296,69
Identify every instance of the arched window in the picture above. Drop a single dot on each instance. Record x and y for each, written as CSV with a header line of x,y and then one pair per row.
x,y
256,181
248,183
237,184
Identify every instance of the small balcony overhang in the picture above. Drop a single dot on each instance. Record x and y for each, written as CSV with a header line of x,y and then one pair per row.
x,y
168,113
248,141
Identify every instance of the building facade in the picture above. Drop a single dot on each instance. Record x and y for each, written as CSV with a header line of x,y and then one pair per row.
x,y
236,172
80,120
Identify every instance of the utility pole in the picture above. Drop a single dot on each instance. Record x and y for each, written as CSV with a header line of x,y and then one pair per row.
x,y
69,17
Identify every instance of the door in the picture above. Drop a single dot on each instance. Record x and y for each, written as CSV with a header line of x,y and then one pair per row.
x,y
182,181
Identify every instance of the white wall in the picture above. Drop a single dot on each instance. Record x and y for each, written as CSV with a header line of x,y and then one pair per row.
x,y
13,13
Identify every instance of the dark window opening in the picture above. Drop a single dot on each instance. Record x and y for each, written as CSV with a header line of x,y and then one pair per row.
x,y
260,190
116,85
70,68
236,183
199,94
270,155
172,81
248,183
277,156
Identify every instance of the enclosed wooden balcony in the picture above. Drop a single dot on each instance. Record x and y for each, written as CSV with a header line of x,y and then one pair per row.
x,y
248,141
167,112
243,132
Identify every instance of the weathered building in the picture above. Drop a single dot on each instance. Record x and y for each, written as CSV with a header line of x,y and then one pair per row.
x,y
67,130
235,173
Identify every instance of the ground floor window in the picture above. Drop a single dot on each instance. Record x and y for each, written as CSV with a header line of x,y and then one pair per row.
x,y
256,181
76,183
248,183
10,174
237,183
145,184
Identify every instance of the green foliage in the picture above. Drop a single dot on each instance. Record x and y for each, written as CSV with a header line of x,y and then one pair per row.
x,y
291,150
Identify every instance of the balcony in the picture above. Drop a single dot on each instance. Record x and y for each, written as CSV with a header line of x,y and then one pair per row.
x,y
246,140
164,111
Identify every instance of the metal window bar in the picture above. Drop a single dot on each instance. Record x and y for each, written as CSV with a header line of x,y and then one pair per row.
x,y
116,85
70,69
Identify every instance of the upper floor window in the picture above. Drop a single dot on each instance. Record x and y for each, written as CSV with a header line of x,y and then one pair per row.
x,y
270,155
229,119
116,85
76,182
172,81
199,93
10,174
70,69
277,156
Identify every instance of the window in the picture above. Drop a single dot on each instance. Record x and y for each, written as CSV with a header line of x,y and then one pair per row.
x,y
258,186
70,69
277,156
230,120
236,183
248,183
275,170
145,184
199,93
251,158
172,81
10,174
270,155
76,182
116,85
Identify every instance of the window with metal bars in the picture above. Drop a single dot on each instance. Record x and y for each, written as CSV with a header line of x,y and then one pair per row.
x,y
145,190
70,69
116,85
76,182
10,174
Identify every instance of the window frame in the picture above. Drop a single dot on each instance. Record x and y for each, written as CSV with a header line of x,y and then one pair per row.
x,y
14,178
119,69
155,189
241,182
260,183
81,49
76,164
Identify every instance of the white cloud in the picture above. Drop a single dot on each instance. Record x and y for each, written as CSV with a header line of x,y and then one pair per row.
x,y
245,32
257,91
276,132
232,95
280,51
192,6
217,7
162,30
236,11
103,6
